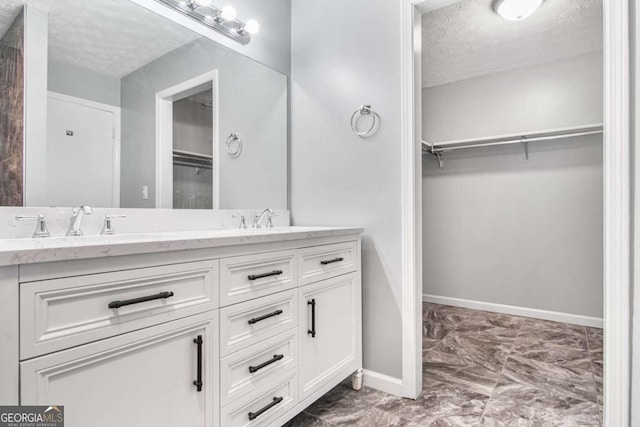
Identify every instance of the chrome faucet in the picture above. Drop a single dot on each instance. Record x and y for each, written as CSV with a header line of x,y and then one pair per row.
x,y
41,225
76,220
258,217
107,227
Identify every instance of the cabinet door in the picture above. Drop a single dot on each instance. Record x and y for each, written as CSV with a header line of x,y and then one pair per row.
x,y
144,378
329,331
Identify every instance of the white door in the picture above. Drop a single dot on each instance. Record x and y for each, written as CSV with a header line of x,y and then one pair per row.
x,y
143,378
81,153
328,331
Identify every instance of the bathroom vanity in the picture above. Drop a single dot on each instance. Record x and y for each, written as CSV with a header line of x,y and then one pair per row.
x,y
209,328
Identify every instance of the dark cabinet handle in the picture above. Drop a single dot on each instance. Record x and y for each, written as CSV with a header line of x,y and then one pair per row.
x,y
161,295
331,261
198,382
266,316
260,276
312,331
254,415
276,357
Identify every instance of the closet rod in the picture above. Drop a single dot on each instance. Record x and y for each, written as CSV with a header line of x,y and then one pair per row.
x,y
442,147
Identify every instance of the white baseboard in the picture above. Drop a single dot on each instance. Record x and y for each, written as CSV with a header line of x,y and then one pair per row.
x,y
576,319
383,382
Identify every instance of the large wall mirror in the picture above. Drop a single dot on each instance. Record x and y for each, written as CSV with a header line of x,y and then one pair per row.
x,y
104,103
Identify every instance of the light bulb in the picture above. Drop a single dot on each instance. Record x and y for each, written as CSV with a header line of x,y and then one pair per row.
x,y
228,13
516,10
251,27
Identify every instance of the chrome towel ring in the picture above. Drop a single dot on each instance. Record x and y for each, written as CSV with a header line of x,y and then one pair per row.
x,y
364,110
234,144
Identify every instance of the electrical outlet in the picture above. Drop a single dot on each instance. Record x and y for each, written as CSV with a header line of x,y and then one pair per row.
x,y
145,192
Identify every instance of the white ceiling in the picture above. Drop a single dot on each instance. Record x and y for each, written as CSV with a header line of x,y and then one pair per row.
x,y
112,37
468,39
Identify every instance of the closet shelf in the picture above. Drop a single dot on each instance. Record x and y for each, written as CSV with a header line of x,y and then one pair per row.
x,y
439,148
196,160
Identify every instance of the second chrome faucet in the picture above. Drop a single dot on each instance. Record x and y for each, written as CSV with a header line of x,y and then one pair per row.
x,y
76,220
258,217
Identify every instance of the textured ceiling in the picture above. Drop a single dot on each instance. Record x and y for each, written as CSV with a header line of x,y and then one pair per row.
x,y
468,39
112,37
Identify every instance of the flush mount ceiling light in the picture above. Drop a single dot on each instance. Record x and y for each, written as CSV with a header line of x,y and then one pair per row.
x,y
516,10
221,20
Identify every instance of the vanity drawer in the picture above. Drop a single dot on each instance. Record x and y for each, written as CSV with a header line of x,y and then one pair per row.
x,y
252,276
248,323
256,366
323,262
62,313
264,406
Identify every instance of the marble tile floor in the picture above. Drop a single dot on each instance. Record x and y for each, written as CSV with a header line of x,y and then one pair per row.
x,y
483,369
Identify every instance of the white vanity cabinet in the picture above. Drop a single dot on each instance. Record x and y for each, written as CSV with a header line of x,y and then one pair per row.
x,y
161,376
247,334
329,330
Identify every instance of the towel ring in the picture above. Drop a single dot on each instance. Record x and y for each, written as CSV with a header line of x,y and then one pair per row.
x,y
229,145
364,110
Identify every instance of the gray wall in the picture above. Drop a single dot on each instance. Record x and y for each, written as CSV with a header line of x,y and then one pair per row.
x,y
499,228
82,83
253,102
345,54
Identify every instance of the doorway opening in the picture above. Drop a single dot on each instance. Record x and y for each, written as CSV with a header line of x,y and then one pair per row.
x,y
187,144
616,200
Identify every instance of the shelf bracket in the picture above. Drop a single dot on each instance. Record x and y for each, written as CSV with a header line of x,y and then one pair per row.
x,y
525,147
440,159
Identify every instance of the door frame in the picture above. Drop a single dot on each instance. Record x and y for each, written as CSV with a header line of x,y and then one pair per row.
x,y
164,135
116,111
617,204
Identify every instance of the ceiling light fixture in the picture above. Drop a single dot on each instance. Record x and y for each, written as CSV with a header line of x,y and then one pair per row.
x,y
221,20
516,10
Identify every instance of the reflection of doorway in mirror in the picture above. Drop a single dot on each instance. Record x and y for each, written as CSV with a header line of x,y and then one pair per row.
x,y
186,123
193,151
83,153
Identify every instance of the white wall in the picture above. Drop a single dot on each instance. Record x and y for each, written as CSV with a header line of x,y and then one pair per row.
x,y
345,54
502,229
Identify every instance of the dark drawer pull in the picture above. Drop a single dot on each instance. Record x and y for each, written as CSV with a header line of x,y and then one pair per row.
x,y
276,357
266,316
161,295
260,276
312,331
331,261
198,382
254,415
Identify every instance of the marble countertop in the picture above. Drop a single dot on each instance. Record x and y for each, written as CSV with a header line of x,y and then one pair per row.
x,y
29,251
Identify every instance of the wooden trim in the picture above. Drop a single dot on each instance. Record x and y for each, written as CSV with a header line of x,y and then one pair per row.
x,y
411,197
617,213
383,382
164,135
556,316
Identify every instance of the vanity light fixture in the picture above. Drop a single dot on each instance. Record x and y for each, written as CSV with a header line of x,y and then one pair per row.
x,y
516,10
251,27
223,20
